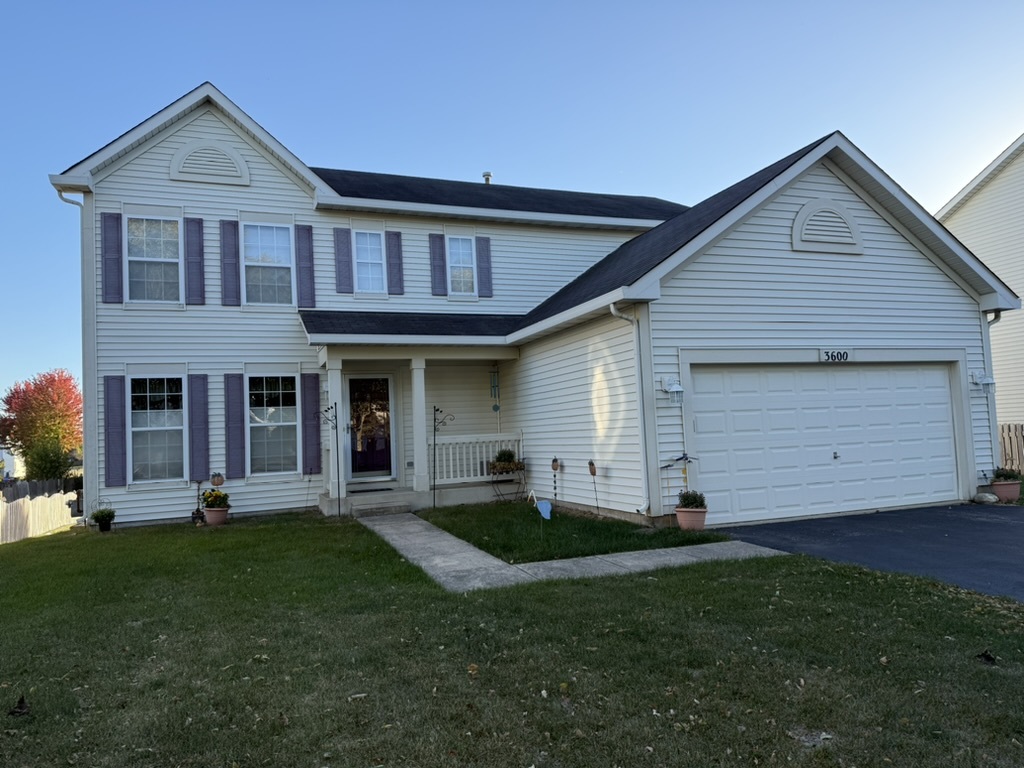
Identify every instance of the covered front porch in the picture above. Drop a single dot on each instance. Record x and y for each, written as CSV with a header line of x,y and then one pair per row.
x,y
408,427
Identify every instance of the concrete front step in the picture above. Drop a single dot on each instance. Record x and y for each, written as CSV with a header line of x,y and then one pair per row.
x,y
377,507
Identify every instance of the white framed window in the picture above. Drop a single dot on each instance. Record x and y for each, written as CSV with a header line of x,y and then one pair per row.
x,y
156,417
154,253
461,266
267,261
370,269
273,424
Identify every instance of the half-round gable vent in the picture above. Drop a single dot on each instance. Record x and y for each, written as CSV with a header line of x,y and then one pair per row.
x,y
826,226
209,161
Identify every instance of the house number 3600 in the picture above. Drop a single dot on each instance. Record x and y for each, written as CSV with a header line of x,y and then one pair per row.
x,y
835,355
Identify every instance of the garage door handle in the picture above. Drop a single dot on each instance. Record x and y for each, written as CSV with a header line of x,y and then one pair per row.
x,y
835,454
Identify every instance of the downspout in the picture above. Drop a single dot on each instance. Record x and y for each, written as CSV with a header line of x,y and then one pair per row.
x,y
69,201
645,501
997,315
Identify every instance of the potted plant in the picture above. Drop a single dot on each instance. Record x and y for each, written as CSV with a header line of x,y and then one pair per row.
x,y
691,510
215,506
505,462
103,517
1006,484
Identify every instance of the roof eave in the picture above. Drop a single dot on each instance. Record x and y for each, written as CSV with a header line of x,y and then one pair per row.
x,y
975,185
391,340
65,182
568,317
331,201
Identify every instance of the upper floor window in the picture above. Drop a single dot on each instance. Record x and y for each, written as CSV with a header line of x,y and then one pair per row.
x,y
157,421
370,270
267,259
461,266
154,259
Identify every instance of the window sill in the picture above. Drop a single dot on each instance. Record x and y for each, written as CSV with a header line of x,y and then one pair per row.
x,y
368,296
267,308
144,486
273,477
159,306
463,297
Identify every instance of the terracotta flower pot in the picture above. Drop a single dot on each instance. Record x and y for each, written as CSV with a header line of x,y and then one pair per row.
x,y
1006,490
691,519
216,515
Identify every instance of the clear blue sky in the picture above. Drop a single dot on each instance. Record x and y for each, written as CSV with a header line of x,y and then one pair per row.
x,y
671,99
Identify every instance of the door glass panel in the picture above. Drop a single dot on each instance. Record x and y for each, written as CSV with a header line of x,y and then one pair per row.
x,y
370,427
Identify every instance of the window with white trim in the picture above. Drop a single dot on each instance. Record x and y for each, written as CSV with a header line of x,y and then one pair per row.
x,y
273,424
370,269
154,259
157,419
267,260
461,266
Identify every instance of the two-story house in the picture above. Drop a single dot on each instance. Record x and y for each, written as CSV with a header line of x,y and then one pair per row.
x,y
808,336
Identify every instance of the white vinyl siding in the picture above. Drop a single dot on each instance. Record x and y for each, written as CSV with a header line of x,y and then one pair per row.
x,y
750,290
991,224
573,395
156,418
369,270
153,252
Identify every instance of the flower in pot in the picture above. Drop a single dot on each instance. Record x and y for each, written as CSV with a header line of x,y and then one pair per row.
x,y
215,506
103,517
691,510
1006,484
505,462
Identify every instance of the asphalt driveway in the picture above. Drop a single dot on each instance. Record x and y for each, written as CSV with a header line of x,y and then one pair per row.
x,y
973,546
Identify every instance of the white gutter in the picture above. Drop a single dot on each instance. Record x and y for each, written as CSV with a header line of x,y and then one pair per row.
x,y
645,501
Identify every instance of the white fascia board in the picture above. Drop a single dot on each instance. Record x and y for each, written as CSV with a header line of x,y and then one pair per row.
x,y
194,99
336,202
568,316
71,182
975,184
991,302
352,339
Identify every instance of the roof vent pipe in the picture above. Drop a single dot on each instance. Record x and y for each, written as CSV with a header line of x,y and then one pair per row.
x,y
487,177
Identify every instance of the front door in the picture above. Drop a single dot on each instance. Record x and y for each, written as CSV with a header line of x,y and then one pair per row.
x,y
369,402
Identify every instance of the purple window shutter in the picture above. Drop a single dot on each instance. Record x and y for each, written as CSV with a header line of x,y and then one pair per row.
x,y
230,279
393,246
234,424
305,278
438,268
311,459
115,445
195,283
198,427
343,260
484,288
111,259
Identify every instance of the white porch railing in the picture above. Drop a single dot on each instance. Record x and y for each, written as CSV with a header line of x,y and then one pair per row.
x,y
463,458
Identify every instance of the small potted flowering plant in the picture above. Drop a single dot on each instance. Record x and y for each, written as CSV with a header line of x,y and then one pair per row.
x,y
691,510
1006,484
215,506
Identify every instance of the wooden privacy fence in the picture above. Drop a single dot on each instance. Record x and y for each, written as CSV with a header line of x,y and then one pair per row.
x,y
1011,440
26,517
19,489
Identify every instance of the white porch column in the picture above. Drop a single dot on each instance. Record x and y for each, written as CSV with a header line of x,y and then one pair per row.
x,y
421,476
336,440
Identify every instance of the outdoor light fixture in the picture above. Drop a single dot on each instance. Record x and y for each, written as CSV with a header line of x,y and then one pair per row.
x,y
674,389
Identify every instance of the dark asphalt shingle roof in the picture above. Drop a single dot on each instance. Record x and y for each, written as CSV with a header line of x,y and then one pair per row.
x,y
623,266
413,189
635,258
318,321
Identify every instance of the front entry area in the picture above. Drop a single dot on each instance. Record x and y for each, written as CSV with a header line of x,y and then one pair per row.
x,y
371,454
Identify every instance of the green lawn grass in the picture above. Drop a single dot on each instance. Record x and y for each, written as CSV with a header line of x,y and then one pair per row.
x,y
516,533
306,641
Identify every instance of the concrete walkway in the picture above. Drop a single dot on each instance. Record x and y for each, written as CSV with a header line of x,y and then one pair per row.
x,y
460,567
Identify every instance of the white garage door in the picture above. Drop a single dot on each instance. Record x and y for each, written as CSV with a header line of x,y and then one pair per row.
x,y
786,441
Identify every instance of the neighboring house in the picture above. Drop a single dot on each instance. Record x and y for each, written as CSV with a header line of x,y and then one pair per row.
x,y
10,464
807,335
988,217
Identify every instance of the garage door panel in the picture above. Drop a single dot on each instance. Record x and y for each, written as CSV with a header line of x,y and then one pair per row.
x,y
840,438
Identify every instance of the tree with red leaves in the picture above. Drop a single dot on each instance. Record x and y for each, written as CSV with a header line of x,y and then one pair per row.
x,y
41,419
